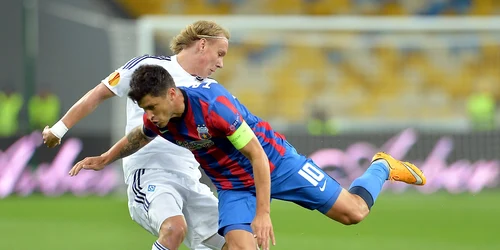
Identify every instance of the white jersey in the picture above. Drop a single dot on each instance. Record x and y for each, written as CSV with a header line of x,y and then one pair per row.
x,y
158,152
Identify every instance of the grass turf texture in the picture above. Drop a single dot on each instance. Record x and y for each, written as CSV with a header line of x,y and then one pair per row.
x,y
404,221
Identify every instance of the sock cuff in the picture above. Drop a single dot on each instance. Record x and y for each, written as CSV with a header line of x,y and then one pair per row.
x,y
364,194
158,246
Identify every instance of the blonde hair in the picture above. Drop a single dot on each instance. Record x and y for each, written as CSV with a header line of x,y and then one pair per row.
x,y
196,31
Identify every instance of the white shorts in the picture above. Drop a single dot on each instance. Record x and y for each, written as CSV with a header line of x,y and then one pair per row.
x,y
156,194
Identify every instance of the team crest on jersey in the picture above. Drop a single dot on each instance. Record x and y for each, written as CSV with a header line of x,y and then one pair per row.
x,y
114,79
203,132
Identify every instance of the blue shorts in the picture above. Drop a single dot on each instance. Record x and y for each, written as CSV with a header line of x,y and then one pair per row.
x,y
296,179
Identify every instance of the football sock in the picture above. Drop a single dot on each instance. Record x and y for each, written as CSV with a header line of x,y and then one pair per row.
x,y
369,185
158,246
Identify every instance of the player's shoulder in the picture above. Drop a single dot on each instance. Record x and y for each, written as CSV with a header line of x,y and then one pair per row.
x,y
136,62
213,85
206,88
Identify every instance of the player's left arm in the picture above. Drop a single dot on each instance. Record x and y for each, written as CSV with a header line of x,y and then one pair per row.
x,y
226,118
246,142
129,144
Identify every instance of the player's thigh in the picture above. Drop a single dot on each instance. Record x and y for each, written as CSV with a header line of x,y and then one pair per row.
x,y
240,239
165,209
307,185
236,210
152,199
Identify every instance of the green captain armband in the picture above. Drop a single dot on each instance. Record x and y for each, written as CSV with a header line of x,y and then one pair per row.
x,y
241,136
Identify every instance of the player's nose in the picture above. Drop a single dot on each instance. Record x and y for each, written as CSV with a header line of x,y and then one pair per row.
x,y
220,64
150,115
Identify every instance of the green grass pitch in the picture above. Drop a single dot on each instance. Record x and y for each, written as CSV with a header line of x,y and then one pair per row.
x,y
398,221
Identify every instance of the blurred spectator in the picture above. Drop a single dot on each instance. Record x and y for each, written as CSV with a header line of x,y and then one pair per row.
x,y
481,108
10,105
43,109
320,124
440,7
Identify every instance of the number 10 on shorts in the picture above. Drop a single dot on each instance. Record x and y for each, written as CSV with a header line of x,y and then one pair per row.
x,y
312,174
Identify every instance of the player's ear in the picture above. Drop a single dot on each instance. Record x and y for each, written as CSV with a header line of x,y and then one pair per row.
x,y
171,93
202,44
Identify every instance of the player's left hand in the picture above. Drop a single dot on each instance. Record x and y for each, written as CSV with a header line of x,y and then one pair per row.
x,y
94,163
263,230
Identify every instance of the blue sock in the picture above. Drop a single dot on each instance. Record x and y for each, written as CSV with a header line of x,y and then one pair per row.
x,y
158,246
369,185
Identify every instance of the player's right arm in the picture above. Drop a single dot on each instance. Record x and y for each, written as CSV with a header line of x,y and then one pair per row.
x,y
117,83
83,107
128,145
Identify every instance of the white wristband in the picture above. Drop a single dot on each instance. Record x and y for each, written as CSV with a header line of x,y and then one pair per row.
x,y
59,129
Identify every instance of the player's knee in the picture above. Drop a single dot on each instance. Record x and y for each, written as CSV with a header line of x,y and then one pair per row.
x,y
173,231
355,217
356,214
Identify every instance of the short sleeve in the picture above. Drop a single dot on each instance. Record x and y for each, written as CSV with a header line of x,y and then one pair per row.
x,y
224,115
119,81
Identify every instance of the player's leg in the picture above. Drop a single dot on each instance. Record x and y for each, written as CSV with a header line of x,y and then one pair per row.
x,y
310,187
236,213
165,218
156,204
202,213
354,205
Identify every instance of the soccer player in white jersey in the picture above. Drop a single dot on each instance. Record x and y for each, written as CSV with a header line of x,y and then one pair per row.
x,y
165,195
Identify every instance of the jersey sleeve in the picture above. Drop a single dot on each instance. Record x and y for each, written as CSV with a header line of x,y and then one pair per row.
x,y
148,128
118,81
227,119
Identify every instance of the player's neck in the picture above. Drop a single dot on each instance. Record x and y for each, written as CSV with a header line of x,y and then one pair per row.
x,y
186,61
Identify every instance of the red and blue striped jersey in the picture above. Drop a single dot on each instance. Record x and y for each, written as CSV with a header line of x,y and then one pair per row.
x,y
211,114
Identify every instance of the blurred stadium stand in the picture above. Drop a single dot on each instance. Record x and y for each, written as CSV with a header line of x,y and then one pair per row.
x,y
397,80
312,7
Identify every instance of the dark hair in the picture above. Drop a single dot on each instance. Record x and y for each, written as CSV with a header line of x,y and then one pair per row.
x,y
151,80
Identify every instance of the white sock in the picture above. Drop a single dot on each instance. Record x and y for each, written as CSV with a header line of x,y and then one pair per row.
x,y
158,246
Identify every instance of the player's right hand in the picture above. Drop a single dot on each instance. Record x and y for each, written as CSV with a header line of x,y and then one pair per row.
x,y
262,228
50,139
95,163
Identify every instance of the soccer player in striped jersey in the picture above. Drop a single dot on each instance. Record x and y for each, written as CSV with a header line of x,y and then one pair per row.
x,y
165,195
245,158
